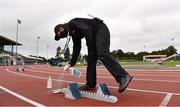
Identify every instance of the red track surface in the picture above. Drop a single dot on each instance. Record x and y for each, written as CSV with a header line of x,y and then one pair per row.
x,y
148,88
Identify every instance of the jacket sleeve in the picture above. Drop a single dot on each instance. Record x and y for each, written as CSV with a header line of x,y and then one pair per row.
x,y
84,30
76,51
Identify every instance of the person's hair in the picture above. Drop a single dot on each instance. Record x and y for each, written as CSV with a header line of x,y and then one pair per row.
x,y
56,29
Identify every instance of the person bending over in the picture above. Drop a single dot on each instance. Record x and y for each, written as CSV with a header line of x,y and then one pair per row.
x,y
97,37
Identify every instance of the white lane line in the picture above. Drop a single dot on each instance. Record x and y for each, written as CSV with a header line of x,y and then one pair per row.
x,y
22,97
156,80
127,69
130,89
166,100
46,72
138,69
149,70
105,77
141,90
154,75
31,76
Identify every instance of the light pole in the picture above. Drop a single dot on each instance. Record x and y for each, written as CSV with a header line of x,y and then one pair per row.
x,y
144,47
174,48
18,22
172,41
47,51
37,47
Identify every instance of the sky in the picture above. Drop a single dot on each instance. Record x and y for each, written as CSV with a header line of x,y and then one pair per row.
x,y
135,25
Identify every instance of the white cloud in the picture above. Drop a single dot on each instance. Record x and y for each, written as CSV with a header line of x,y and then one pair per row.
x,y
132,23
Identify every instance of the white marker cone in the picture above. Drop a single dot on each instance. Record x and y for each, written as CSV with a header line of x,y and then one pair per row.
x,y
49,82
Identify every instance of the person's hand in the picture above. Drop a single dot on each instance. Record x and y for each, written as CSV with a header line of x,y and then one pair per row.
x,y
66,68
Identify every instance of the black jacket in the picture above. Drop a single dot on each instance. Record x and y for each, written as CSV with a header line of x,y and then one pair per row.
x,y
80,28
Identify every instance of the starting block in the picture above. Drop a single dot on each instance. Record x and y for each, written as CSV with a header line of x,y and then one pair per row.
x,y
73,92
103,89
20,69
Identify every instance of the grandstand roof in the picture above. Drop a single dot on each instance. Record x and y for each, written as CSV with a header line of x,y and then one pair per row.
x,y
155,56
6,41
30,57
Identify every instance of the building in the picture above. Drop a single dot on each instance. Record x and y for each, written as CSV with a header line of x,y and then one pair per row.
x,y
8,57
154,58
33,60
174,57
160,58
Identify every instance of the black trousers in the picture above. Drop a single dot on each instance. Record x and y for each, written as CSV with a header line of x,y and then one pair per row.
x,y
101,51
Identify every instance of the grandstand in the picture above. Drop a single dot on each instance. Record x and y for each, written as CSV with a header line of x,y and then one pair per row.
x,y
161,58
154,58
9,57
174,57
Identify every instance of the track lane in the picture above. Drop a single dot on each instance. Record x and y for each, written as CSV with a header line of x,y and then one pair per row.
x,y
7,99
143,83
131,101
125,100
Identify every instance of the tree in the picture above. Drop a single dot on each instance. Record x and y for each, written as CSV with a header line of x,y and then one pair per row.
x,y
170,50
139,55
67,54
130,55
80,57
85,58
119,53
114,54
58,51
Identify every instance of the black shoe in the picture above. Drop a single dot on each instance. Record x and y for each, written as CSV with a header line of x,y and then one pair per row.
x,y
124,83
86,87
